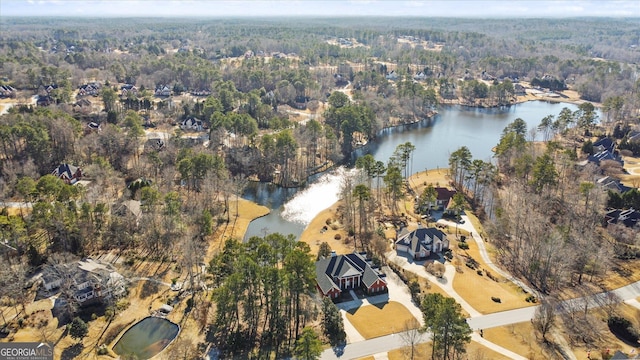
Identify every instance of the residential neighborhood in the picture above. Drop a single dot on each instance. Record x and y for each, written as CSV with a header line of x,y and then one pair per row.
x,y
345,186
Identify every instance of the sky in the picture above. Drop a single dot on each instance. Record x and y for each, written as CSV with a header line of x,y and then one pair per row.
x,y
261,8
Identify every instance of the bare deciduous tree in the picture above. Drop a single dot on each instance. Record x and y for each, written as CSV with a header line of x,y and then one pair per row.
x,y
411,336
544,318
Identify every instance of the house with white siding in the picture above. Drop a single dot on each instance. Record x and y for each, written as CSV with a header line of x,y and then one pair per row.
x,y
422,242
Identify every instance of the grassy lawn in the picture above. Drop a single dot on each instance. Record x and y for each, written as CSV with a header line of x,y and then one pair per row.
x,y
522,339
314,236
246,211
373,321
437,177
423,351
427,287
519,338
632,165
623,272
477,351
467,283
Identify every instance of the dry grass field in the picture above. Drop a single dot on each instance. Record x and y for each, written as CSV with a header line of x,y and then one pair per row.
x,y
246,212
313,235
436,177
519,338
467,282
373,321
632,166
423,351
522,339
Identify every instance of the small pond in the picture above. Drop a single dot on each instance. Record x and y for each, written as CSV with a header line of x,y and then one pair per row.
x,y
147,338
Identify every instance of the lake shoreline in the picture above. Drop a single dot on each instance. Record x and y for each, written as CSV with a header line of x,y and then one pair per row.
x,y
434,139
318,231
432,114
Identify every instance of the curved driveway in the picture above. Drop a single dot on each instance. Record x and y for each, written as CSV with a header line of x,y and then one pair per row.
x,y
468,226
358,349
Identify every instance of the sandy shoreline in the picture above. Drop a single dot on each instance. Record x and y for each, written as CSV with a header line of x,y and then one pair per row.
x,y
314,234
326,226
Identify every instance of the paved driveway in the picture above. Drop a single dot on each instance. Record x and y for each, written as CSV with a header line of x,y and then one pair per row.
x,y
398,292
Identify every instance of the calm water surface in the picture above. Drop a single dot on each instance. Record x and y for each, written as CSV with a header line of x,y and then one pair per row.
x,y
435,139
147,338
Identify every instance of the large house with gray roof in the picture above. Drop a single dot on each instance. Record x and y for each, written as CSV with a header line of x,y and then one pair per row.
x,y
339,273
420,243
85,282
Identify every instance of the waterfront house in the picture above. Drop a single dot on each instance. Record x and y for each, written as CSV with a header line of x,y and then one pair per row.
x,y
443,197
422,242
339,273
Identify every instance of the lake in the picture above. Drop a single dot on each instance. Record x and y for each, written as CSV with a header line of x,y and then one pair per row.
x,y
434,140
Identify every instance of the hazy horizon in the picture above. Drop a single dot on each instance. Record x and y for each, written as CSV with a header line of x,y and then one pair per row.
x,y
293,8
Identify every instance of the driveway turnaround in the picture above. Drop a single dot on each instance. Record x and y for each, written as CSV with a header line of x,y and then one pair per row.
x,y
398,292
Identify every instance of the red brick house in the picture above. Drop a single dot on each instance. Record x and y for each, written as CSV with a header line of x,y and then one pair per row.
x,y
68,173
338,273
443,197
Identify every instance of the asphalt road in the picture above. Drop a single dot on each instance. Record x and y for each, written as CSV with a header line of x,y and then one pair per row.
x,y
395,341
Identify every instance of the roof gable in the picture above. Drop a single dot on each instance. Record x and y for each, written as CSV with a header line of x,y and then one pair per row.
x,y
65,170
421,238
444,193
342,266
605,143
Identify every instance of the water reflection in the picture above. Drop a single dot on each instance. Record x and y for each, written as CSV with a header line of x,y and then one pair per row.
x,y
323,193
434,140
293,209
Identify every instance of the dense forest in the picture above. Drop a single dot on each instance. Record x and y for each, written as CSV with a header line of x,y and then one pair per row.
x,y
179,115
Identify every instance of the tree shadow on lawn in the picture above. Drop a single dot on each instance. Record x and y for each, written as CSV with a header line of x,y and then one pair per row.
x,y
442,280
148,288
72,352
